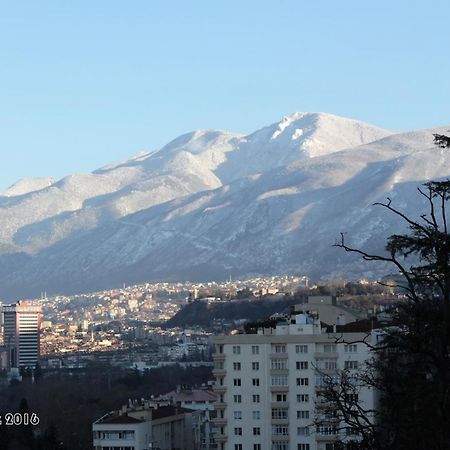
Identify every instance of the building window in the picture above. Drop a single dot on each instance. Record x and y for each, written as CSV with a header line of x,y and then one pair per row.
x,y
255,349
256,446
280,430
255,365
237,398
303,431
301,349
327,364
256,398
303,447
350,364
236,349
279,380
238,431
279,413
126,435
302,381
237,366
238,415
280,445
326,430
302,398
326,380
256,431
352,398
278,364
237,382
255,381
256,415
280,348
281,398
350,348
218,365
329,348
302,414
302,365
237,446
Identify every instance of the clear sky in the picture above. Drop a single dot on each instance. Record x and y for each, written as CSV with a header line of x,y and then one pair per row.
x,y
86,83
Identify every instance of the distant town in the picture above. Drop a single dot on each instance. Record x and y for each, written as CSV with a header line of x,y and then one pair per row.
x,y
130,333
125,326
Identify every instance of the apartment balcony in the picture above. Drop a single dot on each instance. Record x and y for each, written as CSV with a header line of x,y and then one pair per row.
x,y
324,405
278,372
279,388
218,356
219,388
220,421
323,437
219,372
326,355
220,405
279,404
280,421
278,355
220,438
320,371
280,437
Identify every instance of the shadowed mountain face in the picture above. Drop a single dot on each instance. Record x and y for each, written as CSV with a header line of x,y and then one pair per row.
x,y
214,203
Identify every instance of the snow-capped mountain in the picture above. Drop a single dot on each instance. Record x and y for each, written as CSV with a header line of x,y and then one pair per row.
x,y
211,203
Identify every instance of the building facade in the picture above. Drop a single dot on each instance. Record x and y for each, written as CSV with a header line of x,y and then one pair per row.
x,y
21,334
150,425
202,400
268,384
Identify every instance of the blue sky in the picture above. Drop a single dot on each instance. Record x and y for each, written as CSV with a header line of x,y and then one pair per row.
x,y
86,83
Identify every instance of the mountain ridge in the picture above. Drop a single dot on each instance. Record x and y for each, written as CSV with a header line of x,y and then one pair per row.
x,y
210,203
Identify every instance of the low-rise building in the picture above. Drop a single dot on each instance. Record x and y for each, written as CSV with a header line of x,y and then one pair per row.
x,y
147,425
202,400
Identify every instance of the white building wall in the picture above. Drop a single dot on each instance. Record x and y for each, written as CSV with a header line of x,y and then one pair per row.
x,y
240,366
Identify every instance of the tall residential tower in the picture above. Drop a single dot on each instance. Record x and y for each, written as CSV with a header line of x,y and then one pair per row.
x,y
21,329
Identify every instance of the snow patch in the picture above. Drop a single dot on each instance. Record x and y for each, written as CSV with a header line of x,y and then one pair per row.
x,y
297,133
282,126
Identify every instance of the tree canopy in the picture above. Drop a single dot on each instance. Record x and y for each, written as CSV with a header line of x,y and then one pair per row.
x,y
410,369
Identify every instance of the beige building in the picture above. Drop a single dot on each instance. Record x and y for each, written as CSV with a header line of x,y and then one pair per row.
x,y
202,400
326,308
151,425
268,384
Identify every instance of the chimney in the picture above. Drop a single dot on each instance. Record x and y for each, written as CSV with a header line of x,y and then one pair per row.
x,y
340,320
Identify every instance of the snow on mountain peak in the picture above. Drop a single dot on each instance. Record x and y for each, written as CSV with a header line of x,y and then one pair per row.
x,y
206,196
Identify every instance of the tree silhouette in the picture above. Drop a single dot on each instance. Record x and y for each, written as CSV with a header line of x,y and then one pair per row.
x,y
411,367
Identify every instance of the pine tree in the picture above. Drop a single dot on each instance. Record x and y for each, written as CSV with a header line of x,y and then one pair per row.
x,y
411,368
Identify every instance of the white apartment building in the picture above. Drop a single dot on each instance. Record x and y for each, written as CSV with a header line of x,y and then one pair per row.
x,y
268,384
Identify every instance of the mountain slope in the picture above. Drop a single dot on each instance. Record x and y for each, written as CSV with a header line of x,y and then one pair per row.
x,y
35,214
284,219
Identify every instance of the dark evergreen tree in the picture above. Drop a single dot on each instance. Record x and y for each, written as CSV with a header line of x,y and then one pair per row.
x,y
411,367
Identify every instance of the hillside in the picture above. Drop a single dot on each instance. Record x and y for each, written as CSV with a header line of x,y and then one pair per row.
x,y
213,203
203,314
